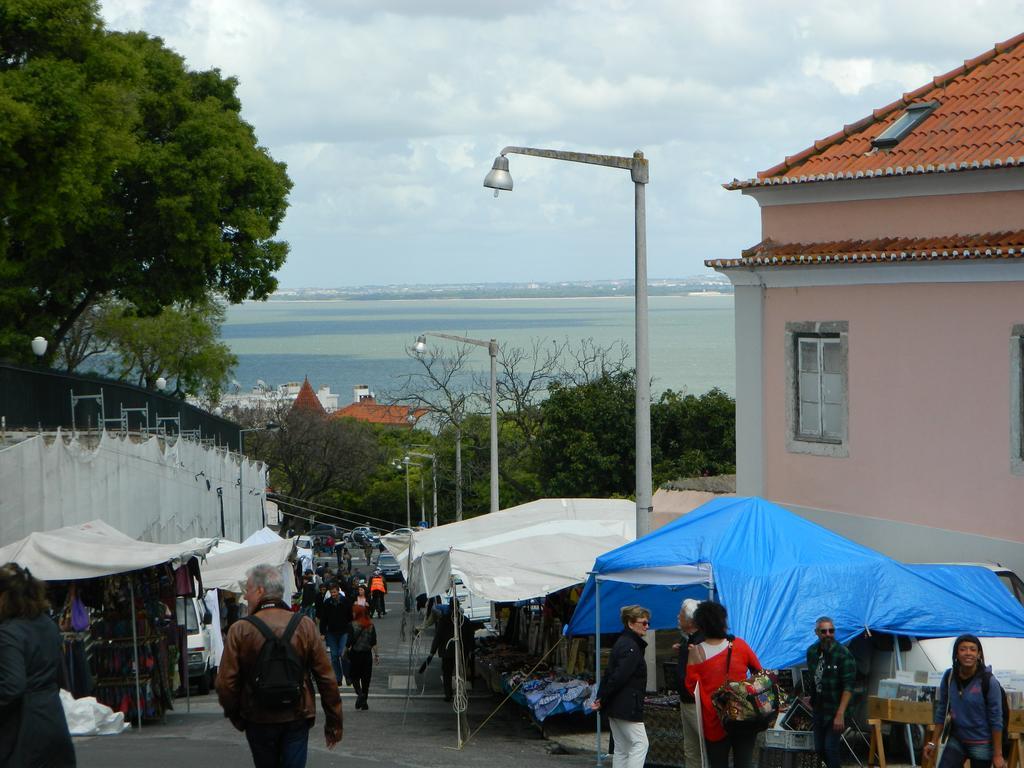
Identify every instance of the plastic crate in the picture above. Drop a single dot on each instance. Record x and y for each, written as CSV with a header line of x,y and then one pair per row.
x,y
789,741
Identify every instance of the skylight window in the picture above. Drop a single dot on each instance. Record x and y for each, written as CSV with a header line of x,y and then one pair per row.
x,y
907,122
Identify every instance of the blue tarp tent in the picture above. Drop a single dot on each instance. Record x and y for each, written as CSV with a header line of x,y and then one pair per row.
x,y
776,573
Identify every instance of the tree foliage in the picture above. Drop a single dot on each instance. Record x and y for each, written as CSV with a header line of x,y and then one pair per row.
x,y
123,174
180,344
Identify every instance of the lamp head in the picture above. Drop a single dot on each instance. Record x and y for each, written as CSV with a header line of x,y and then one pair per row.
x,y
39,345
421,345
161,383
499,178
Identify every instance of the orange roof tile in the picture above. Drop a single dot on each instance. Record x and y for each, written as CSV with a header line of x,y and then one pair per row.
x,y
768,253
307,399
375,413
979,123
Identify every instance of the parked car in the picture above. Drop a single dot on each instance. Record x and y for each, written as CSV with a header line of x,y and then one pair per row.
x,y
388,566
196,618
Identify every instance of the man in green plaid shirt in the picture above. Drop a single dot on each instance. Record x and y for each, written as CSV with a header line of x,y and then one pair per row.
x,y
833,669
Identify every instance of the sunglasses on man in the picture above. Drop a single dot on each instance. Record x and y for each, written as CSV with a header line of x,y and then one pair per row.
x,y
827,631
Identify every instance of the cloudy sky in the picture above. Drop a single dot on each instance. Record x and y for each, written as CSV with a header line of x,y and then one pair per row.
x,y
390,112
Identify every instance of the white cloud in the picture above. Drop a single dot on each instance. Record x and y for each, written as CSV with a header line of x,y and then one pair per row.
x,y
389,113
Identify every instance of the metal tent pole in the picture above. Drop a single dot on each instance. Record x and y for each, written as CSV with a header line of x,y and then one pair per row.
x,y
597,662
135,646
899,666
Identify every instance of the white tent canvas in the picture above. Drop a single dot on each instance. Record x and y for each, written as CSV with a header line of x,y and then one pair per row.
x,y
517,553
227,570
93,549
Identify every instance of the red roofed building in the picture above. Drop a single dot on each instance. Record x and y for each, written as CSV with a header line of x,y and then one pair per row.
x,y
366,408
880,322
307,400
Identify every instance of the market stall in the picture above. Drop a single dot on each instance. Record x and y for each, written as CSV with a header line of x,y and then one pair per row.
x,y
777,572
119,595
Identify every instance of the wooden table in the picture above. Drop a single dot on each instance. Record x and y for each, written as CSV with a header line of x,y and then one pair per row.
x,y
920,713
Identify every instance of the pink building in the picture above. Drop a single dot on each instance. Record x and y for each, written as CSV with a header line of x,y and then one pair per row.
x,y
880,323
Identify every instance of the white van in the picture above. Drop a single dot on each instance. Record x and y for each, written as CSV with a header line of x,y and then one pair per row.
x,y
196,618
473,608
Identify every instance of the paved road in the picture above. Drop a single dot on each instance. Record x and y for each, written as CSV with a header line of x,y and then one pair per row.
x,y
389,734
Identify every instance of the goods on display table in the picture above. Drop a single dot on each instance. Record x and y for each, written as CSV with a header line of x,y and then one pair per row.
x,y
546,693
540,688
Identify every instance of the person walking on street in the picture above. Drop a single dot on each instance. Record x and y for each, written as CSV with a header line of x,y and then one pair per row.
x,y
719,657
378,588
335,618
276,720
687,703
834,670
623,687
362,653
367,552
33,729
974,700
309,595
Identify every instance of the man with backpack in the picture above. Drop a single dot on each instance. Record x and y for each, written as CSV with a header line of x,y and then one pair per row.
x,y
266,674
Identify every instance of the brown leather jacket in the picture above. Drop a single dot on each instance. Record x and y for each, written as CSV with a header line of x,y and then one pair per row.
x,y
241,650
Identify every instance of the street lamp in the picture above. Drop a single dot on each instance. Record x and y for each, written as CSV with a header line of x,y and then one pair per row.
x,y
499,178
161,383
433,476
39,345
492,349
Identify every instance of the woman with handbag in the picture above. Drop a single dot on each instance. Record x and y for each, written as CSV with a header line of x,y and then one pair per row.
x,y
970,703
362,653
33,729
719,658
623,687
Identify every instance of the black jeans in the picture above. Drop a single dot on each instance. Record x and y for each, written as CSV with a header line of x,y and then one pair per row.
x,y
741,745
360,672
826,740
377,603
279,745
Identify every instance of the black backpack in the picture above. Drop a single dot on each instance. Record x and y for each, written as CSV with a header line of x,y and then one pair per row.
x,y
278,677
986,676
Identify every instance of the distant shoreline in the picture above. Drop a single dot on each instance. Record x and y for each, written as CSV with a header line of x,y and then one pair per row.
x,y
495,297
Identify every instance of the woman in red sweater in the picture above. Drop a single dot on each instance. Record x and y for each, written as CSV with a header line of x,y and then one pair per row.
x,y
706,665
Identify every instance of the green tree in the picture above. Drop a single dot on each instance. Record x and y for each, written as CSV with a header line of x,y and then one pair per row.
x,y
123,174
693,435
586,444
180,344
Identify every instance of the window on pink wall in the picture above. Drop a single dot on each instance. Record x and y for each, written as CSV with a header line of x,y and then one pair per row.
x,y
1017,400
817,404
820,388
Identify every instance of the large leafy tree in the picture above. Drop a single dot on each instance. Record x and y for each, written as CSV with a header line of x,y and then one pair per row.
x,y
180,344
123,174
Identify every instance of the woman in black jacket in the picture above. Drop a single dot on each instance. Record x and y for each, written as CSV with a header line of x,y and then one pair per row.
x,y
33,731
621,693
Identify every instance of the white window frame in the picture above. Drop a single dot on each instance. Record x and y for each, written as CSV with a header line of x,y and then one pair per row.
x,y
827,394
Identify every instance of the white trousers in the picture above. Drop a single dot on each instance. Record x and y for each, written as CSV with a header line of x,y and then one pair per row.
x,y
691,735
630,743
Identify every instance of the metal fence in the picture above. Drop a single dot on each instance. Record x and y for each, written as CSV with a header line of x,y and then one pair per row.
x,y
39,398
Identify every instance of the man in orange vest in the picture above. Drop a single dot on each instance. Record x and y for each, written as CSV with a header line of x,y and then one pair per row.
x,y
378,588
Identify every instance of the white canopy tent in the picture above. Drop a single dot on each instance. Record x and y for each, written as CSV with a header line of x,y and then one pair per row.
x,y
92,549
517,553
227,570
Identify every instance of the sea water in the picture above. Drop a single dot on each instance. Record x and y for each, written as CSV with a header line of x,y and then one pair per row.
x,y
345,343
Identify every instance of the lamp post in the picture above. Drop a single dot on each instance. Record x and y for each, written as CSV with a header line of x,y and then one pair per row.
x,y
492,350
433,477
499,178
